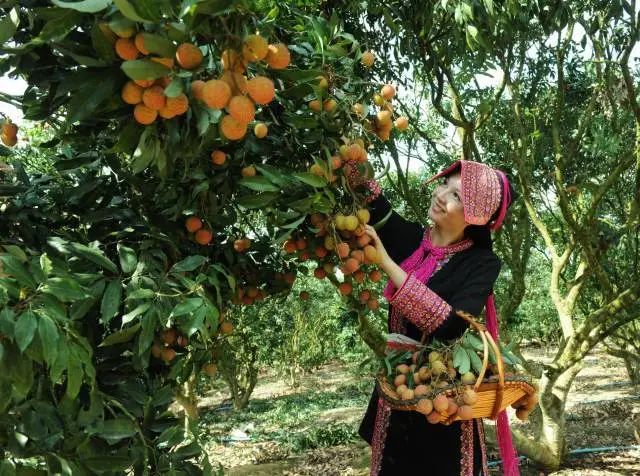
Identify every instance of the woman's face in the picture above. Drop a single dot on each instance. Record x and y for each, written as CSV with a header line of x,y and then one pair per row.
x,y
446,204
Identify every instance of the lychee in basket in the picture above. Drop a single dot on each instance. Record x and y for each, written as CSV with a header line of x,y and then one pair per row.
x,y
439,382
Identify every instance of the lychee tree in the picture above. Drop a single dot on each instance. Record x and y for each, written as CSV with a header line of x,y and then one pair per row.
x,y
186,148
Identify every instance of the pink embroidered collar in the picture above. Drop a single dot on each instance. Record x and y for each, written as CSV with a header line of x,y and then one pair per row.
x,y
422,268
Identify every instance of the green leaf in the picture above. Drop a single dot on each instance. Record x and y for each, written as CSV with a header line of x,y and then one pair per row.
x,y
9,25
13,267
294,224
128,138
83,60
7,468
111,301
97,464
48,332
174,89
300,122
159,45
140,309
65,289
259,184
188,451
476,362
45,264
215,7
474,342
52,307
489,5
257,201
187,306
144,69
61,361
102,44
141,293
145,152
94,255
169,437
85,101
25,329
121,336
195,322
85,6
59,26
116,430
21,371
128,11
16,251
461,360
128,259
188,264
274,175
513,359
74,377
79,309
65,469
145,339
310,179
162,397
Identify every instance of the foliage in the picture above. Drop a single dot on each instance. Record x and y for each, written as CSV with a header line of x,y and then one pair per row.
x,y
109,305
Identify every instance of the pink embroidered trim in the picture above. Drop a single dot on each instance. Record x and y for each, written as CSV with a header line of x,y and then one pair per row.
x,y
421,305
400,288
483,448
374,189
466,448
398,324
379,435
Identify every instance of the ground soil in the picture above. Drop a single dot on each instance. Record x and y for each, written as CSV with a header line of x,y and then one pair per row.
x,y
600,411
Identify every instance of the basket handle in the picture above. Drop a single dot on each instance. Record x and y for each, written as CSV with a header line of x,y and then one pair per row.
x,y
486,341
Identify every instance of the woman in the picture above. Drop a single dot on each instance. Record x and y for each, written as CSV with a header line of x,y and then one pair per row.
x,y
433,272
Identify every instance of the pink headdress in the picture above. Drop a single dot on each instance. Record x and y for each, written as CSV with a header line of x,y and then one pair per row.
x,y
482,190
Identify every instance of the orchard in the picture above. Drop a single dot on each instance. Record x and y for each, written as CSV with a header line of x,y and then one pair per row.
x,y
183,176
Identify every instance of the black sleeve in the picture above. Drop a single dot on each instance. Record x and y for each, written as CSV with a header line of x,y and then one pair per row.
x,y
471,296
399,236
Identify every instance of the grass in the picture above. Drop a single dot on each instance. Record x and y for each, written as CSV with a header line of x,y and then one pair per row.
x,y
292,420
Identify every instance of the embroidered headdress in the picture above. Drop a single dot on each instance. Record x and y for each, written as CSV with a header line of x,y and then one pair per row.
x,y
482,188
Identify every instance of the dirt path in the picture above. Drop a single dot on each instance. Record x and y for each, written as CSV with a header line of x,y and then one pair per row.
x,y
599,414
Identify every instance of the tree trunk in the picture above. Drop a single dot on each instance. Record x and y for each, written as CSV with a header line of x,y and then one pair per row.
x,y
549,447
240,370
188,400
631,362
241,398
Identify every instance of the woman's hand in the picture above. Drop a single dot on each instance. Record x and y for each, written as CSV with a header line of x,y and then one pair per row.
x,y
383,256
395,272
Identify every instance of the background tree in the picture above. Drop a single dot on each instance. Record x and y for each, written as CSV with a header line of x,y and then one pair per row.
x,y
561,119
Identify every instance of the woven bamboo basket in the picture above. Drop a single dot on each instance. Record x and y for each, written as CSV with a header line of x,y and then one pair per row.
x,y
495,393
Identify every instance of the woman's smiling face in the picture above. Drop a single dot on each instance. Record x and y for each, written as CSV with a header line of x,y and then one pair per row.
x,y
446,208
